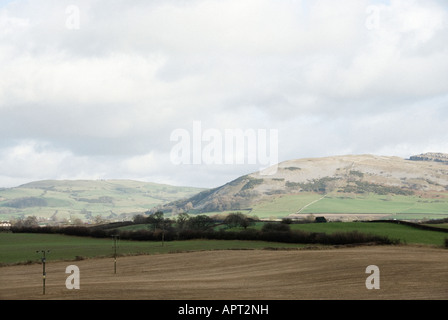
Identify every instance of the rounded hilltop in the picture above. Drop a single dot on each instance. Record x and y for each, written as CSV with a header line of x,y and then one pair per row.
x,y
345,180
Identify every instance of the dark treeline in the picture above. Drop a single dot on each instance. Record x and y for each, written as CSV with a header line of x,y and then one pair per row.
x,y
289,236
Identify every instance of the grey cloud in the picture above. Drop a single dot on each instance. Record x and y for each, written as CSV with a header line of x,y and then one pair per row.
x,y
106,97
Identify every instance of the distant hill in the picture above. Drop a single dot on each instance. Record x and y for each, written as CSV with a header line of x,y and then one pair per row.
x,y
347,186
431,156
66,200
339,184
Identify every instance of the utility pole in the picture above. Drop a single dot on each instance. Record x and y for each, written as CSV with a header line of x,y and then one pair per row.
x,y
115,238
44,274
163,231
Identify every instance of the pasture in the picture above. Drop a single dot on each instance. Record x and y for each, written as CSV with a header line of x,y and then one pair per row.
x,y
71,199
354,206
406,234
20,248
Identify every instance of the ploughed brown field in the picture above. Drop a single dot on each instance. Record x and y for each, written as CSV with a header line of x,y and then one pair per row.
x,y
406,272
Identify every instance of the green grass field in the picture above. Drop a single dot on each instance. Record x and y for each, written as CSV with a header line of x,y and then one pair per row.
x,y
22,247
406,234
284,205
401,207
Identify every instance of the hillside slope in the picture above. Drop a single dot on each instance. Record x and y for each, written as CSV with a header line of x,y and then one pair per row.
x,y
60,200
310,180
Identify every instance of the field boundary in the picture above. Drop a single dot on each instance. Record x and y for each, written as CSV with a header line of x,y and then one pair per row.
x,y
310,247
412,224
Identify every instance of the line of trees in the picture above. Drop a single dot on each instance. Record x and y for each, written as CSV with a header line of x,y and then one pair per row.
x,y
182,222
202,222
187,227
295,236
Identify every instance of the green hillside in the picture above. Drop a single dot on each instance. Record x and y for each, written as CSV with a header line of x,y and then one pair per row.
x,y
347,187
61,200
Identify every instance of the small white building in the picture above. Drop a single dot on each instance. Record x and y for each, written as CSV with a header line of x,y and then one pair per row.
x,y
5,224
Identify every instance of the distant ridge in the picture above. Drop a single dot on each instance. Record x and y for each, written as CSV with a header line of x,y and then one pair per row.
x,y
343,184
64,201
286,187
431,156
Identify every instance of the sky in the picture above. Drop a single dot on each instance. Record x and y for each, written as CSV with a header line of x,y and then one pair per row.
x,y
150,90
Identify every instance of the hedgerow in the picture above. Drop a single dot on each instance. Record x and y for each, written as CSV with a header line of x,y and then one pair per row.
x,y
287,236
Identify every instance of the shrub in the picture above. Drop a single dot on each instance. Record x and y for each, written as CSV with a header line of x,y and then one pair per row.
x,y
272,226
237,219
287,220
200,222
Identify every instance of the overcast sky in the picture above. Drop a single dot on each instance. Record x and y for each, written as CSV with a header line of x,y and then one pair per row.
x,y
95,89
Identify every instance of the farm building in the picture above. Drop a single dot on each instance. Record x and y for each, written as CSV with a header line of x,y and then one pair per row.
x,y
5,224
